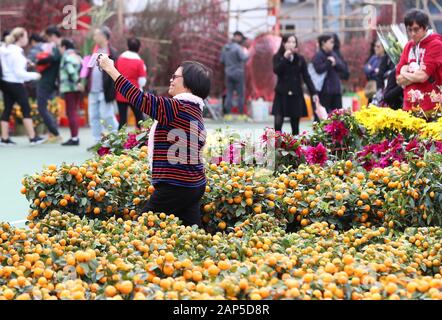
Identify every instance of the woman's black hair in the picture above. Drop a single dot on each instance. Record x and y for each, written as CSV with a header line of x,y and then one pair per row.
x,y
418,16
337,45
133,44
36,37
5,34
68,44
286,38
323,38
53,31
197,78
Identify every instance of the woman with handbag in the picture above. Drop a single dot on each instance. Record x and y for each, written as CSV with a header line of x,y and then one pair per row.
x,y
291,70
326,61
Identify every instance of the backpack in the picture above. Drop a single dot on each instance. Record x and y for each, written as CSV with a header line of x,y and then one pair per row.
x,y
40,56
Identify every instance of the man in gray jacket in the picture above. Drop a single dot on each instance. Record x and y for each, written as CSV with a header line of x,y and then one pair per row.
x,y
234,57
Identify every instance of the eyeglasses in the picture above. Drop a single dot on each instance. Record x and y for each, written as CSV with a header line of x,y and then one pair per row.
x,y
414,29
176,76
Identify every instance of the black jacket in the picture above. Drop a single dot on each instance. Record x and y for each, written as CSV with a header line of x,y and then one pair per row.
x,y
332,83
393,93
108,82
291,75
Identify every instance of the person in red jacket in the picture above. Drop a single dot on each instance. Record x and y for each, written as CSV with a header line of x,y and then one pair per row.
x,y
132,67
420,66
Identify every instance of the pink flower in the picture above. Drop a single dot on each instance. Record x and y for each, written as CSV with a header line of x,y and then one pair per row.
x,y
103,151
337,130
316,155
131,142
436,97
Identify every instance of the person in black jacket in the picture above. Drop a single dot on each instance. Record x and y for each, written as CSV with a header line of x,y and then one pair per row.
x,y
327,61
385,69
101,89
291,69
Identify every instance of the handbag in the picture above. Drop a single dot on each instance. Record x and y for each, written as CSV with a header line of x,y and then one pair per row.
x,y
321,112
370,89
317,79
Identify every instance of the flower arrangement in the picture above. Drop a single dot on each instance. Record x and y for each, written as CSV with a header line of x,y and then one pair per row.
x,y
388,122
386,153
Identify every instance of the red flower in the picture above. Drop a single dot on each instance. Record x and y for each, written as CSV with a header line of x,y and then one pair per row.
x,y
316,155
337,130
103,151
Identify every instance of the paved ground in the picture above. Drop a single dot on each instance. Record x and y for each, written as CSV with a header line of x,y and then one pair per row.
x,y
16,162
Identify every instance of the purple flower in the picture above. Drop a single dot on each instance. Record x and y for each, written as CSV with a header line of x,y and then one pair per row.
x,y
103,151
337,130
316,155
438,146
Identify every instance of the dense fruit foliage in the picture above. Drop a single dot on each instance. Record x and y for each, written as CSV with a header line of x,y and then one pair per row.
x,y
345,195
65,257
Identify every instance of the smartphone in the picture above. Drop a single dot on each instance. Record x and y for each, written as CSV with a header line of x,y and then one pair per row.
x,y
93,61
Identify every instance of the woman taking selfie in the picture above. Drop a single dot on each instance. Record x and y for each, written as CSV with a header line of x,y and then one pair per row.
x,y
179,181
291,69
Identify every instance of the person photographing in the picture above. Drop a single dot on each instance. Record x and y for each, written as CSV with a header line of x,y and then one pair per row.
x,y
291,70
176,139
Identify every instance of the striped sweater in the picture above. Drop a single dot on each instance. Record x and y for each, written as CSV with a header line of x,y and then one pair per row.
x,y
179,137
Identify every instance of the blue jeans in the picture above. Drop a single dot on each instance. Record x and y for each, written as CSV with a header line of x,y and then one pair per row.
x,y
43,97
101,115
233,84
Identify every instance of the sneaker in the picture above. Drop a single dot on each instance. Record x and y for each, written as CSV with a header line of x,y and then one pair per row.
x,y
71,143
37,140
7,143
54,140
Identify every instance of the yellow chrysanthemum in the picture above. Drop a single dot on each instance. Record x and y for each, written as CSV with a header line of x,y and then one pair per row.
x,y
376,120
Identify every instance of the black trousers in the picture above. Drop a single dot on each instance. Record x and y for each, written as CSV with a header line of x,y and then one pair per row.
x,y
279,122
15,93
331,102
123,108
184,203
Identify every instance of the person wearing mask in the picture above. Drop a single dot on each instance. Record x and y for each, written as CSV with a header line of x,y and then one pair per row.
x,y
371,68
420,66
101,89
291,70
14,75
49,67
178,175
234,57
70,88
327,63
133,68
